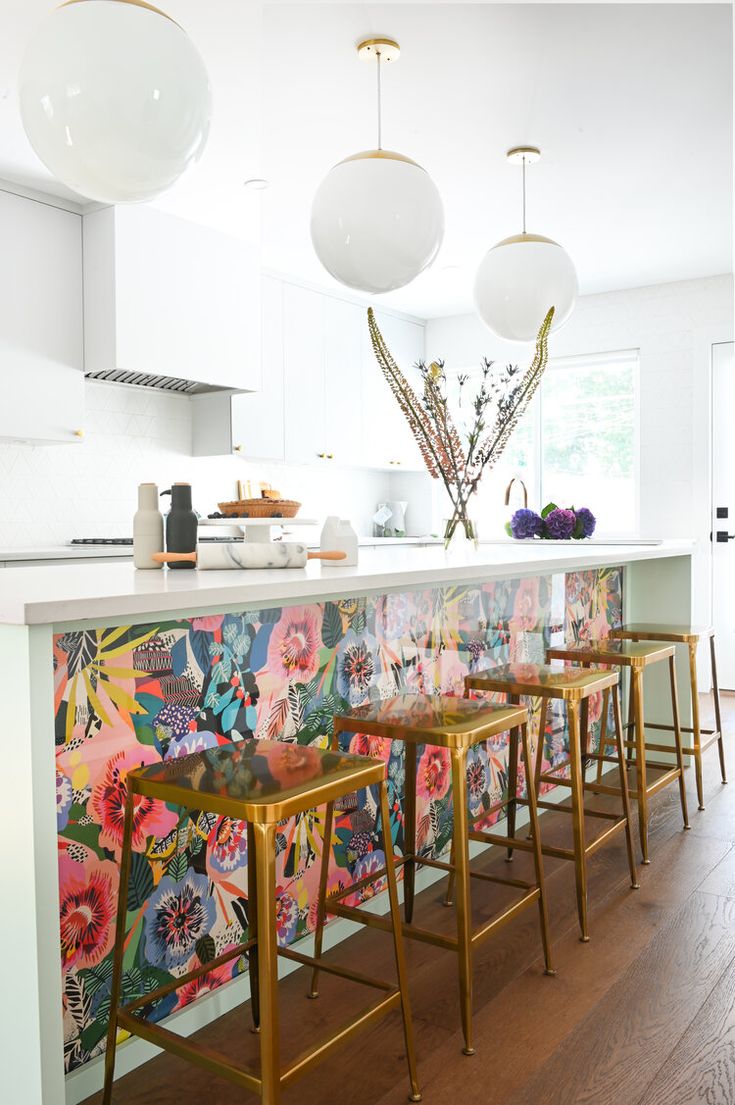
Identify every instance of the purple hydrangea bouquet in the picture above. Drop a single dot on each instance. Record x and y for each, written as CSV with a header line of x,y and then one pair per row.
x,y
554,523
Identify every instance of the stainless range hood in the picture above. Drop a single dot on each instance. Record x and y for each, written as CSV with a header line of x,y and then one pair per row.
x,y
157,383
169,304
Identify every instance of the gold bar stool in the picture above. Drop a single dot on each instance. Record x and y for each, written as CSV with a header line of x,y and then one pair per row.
x,y
261,782
637,656
573,687
690,636
455,724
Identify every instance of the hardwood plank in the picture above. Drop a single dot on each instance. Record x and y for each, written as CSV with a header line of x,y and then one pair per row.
x,y
701,1066
522,1025
721,880
615,1053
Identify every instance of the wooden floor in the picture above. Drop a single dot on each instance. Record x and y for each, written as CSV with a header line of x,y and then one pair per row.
x,y
642,1015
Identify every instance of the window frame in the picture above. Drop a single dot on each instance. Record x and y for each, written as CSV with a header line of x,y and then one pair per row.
x,y
535,413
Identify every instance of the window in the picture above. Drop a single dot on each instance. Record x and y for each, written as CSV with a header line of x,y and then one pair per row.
x,y
576,445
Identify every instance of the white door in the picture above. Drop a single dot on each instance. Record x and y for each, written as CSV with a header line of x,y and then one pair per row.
x,y
723,509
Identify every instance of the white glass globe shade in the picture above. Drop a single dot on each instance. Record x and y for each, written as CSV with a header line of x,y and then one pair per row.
x,y
377,221
518,280
115,99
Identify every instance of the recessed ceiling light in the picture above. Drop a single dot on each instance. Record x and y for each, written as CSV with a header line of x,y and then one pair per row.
x,y
258,184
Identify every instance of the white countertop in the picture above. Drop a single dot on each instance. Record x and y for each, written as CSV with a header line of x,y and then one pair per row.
x,y
65,593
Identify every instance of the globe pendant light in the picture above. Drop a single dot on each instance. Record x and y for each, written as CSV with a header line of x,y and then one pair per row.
x,y
377,218
114,98
520,278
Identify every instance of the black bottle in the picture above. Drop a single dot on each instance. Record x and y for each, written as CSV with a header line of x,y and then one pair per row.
x,y
181,523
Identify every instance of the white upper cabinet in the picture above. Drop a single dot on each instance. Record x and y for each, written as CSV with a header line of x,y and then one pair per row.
x,y
41,343
304,343
388,439
258,418
344,431
167,297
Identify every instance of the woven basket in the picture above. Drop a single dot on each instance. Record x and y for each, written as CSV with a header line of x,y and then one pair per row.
x,y
261,508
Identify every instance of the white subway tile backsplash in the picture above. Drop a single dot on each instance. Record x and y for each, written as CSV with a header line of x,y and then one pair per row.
x,y
51,493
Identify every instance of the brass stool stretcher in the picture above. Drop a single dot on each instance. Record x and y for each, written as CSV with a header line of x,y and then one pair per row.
x,y
261,782
636,656
574,687
690,636
457,725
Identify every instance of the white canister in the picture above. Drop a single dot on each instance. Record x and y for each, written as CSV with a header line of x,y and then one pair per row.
x,y
147,527
338,535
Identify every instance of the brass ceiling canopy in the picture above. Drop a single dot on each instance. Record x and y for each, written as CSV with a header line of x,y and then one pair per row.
x,y
524,155
378,49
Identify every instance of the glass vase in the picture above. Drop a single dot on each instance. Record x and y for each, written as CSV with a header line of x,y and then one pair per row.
x,y
460,532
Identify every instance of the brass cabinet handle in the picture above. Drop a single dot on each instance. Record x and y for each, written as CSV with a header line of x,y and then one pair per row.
x,y
237,448
322,456
330,456
79,433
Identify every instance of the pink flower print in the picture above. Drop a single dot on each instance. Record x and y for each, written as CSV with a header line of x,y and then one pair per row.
x,y
107,804
88,897
293,649
433,774
525,614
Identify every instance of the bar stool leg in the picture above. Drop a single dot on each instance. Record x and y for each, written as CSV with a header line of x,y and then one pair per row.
x,y
636,685
265,858
538,861
253,931
512,781
718,718
117,959
395,914
603,732
409,831
449,895
577,781
620,752
696,729
677,740
631,713
321,908
546,712
464,919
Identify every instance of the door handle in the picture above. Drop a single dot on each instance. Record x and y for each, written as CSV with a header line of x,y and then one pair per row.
x,y
722,535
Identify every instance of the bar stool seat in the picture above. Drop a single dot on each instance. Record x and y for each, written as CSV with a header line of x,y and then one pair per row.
x,y
636,656
262,783
573,686
689,635
456,725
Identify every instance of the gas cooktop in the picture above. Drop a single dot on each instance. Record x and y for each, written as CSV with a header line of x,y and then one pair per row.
x,y
128,541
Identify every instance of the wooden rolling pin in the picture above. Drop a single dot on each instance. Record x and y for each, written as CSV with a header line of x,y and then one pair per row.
x,y
248,554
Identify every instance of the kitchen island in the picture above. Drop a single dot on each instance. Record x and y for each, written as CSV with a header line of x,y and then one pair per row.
x,y
103,668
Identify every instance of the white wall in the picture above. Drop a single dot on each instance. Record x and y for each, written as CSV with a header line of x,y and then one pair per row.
x,y
673,326
50,493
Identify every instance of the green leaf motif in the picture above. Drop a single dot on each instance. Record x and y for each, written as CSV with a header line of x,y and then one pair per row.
x,y
206,949
178,866
331,625
140,885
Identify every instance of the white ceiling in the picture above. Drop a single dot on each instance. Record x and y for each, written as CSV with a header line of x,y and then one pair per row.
x,y
631,105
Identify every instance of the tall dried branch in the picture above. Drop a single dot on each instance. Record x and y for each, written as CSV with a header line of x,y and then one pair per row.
x,y
432,425
425,434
